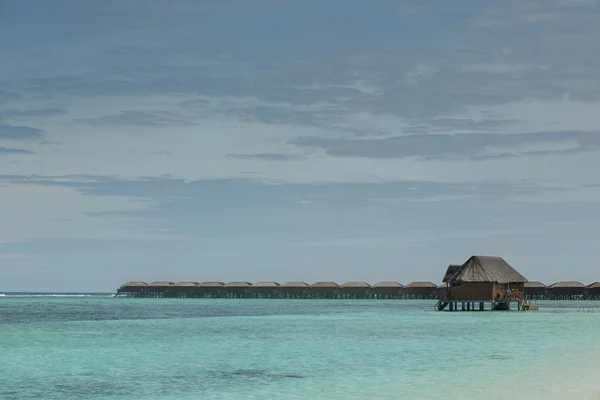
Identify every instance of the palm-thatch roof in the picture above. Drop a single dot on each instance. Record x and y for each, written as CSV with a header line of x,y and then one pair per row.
x,y
567,284
421,285
534,284
211,284
486,269
388,284
595,285
238,284
356,285
295,285
451,271
134,284
160,283
185,284
325,285
266,284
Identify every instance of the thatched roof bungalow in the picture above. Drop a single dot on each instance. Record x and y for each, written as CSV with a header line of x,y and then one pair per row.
x,y
294,287
594,290
535,288
183,287
132,287
484,278
237,287
324,287
264,287
419,289
391,288
567,289
355,287
210,287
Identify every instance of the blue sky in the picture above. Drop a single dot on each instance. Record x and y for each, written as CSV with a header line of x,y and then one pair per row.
x,y
296,140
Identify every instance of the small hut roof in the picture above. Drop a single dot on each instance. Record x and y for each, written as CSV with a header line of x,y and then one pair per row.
x,y
388,284
160,283
451,271
534,284
421,285
266,284
186,284
211,284
325,285
595,285
134,284
356,285
238,284
487,269
296,285
567,284
443,286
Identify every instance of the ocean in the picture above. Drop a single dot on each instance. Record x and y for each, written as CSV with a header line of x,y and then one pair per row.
x,y
97,347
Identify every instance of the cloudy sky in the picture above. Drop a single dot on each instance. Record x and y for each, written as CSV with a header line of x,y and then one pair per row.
x,y
296,140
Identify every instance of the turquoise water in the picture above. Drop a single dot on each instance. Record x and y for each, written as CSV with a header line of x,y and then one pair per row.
x,y
104,348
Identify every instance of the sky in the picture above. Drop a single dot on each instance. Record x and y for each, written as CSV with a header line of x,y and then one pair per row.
x,y
296,140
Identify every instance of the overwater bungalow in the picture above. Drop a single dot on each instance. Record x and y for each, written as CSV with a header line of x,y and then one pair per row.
x,y
264,289
182,289
535,290
420,290
237,289
293,290
567,290
323,289
211,289
593,291
387,290
482,279
354,290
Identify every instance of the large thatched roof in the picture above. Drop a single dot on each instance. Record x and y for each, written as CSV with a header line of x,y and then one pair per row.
x,y
534,284
295,285
356,285
450,272
567,284
388,284
595,285
486,269
325,285
134,284
266,284
421,285
160,283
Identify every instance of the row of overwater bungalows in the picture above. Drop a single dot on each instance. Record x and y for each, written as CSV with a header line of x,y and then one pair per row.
x,y
330,290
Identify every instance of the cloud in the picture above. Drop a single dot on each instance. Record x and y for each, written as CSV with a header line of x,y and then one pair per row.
x,y
69,213
7,150
458,147
268,157
43,112
20,132
140,118
8,96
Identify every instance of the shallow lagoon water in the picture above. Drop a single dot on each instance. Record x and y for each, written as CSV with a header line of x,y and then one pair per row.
x,y
104,348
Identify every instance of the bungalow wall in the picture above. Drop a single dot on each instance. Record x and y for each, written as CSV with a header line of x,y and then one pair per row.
x,y
482,290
